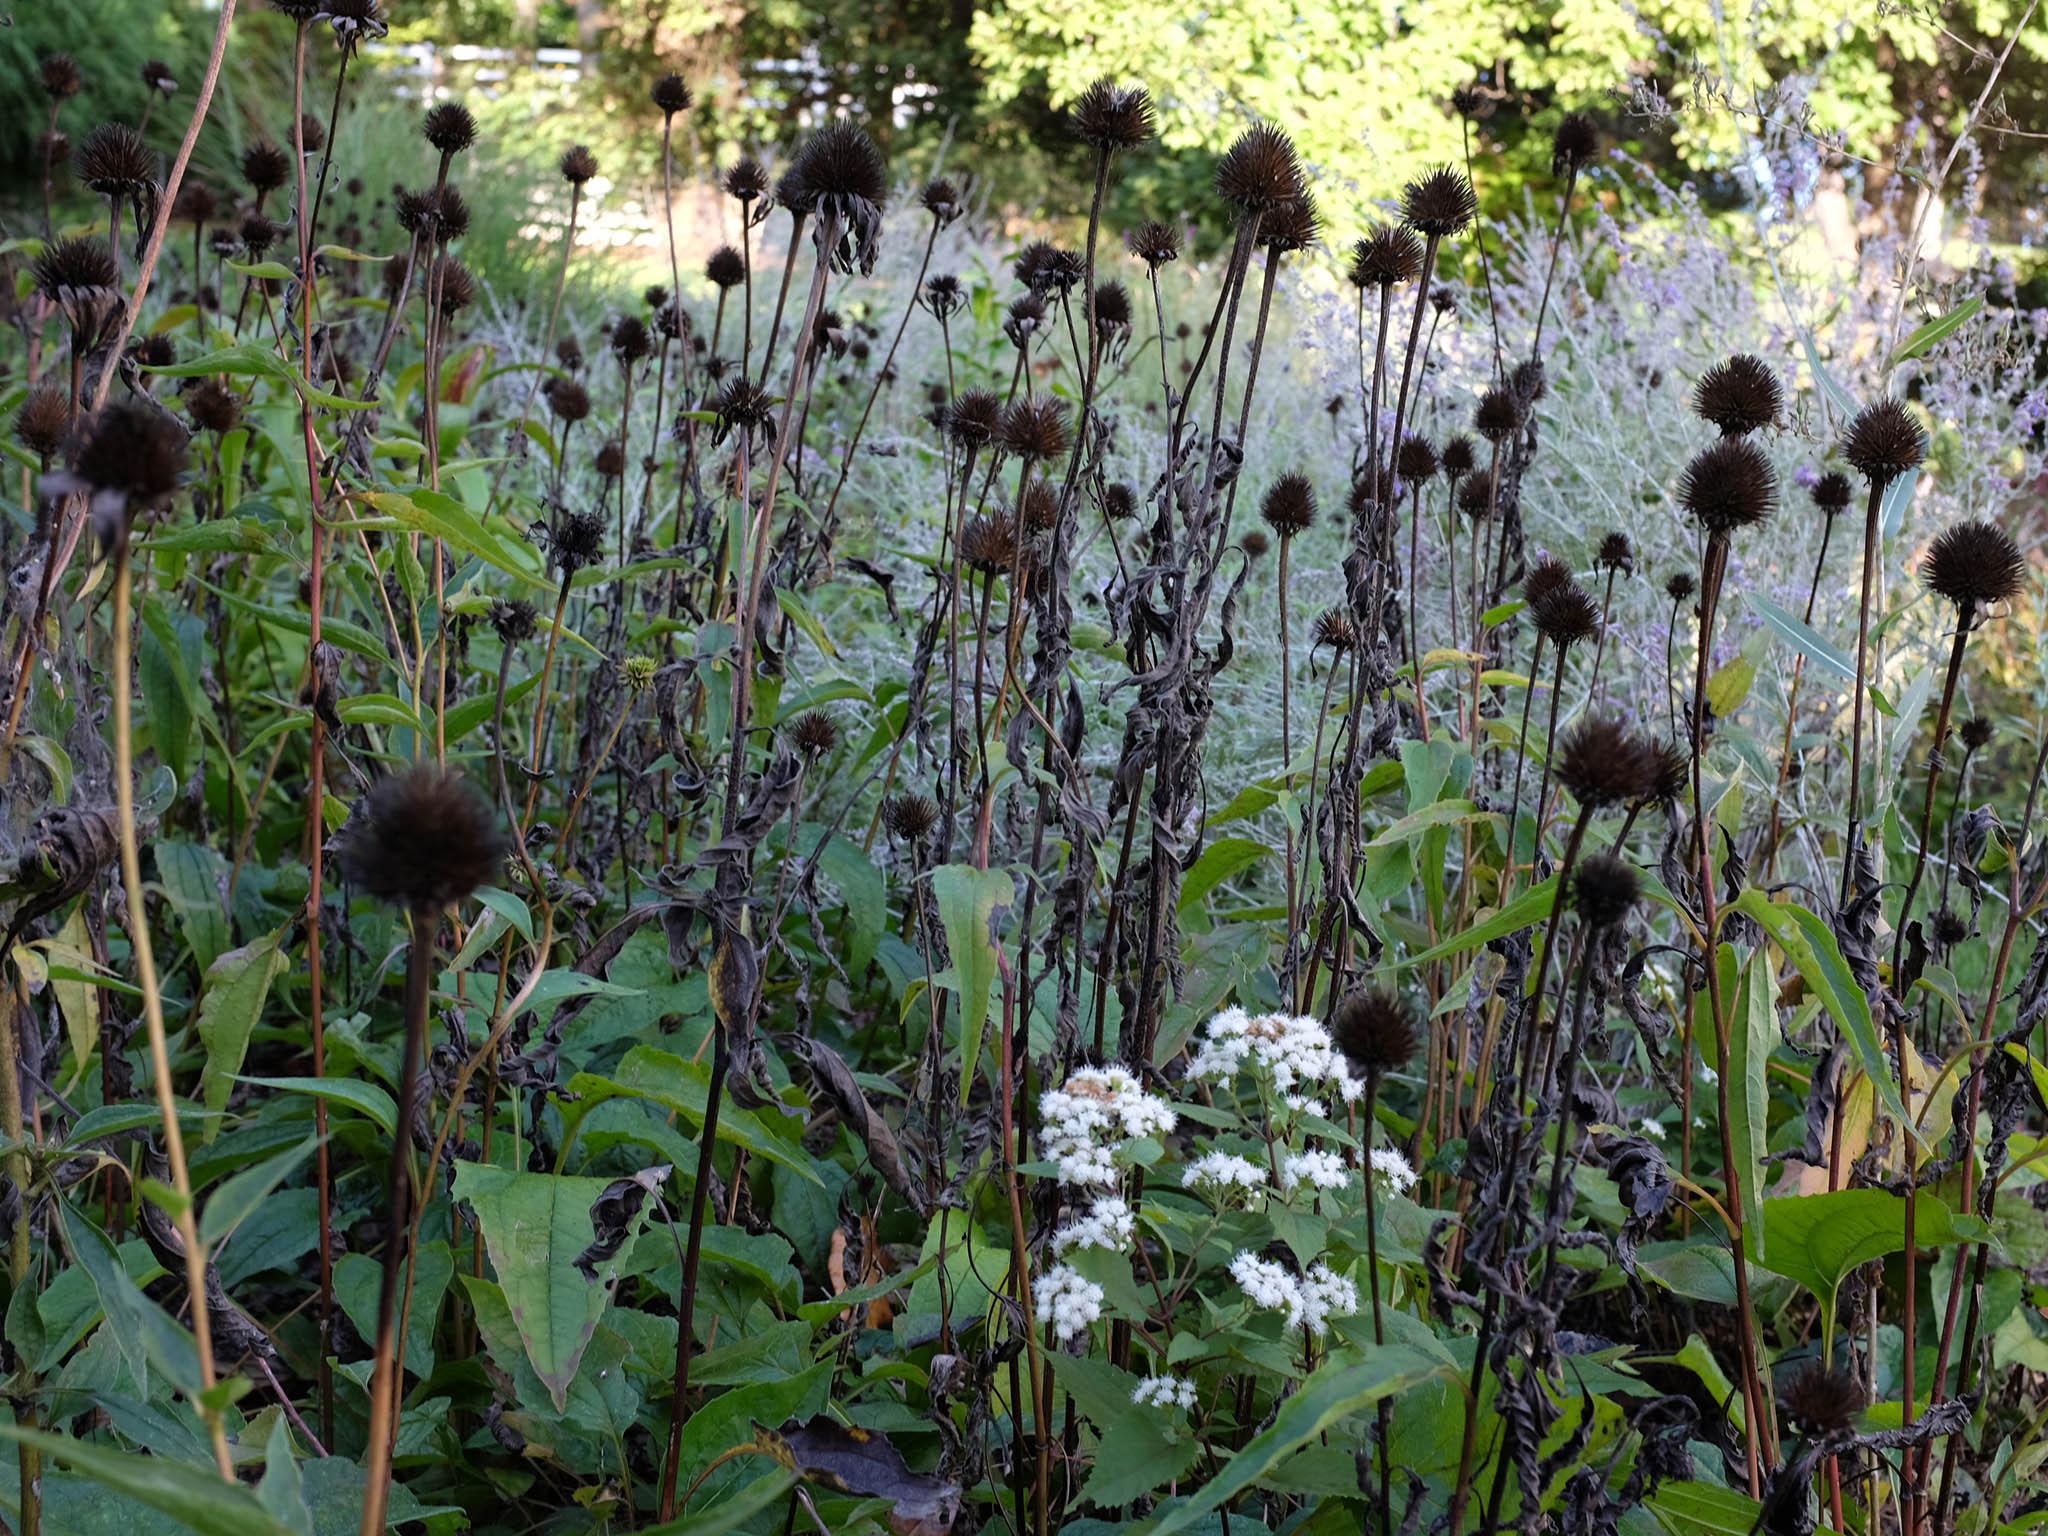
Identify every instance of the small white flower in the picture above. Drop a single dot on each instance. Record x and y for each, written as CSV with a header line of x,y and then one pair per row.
x,y
1293,1052
1164,1392
1325,1170
1093,1116
1654,1129
1265,1283
1223,1174
1392,1167
1108,1224
1325,1294
1068,1300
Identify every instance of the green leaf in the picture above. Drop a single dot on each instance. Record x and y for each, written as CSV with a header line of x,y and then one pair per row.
x,y
1527,909
190,876
283,1490
1818,1239
535,1225
145,1334
445,518
1751,1034
1137,1453
1802,636
357,1278
365,1098
968,899
1222,859
762,1494
1333,1393
1444,813
193,1496
236,986
235,1199
1730,685
684,1087
1928,336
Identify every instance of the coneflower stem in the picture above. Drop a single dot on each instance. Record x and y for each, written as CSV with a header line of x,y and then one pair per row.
x,y
1522,751
1422,282
1549,756
1852,840
1966,615
1383,1414
547,345
1564,208
1414,635
796,232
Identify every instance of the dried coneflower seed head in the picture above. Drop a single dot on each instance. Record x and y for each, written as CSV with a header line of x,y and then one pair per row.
x,y
1529,382
578,164
128,459
1616,554
1670,772
1974,564
1375,1030
312,134
630,341
69,271
1601,764
41,422
1112,307
1574,143
973,417
1041,508
1729,486
1830,493
813,733
1290,227
1439,203
1255,544
941,199
1112,116
848,183
740,406
1976,732
115,162
60,75
157,76
1498,415
1884,442
1335,628
725,267
1154,243
1415,460
454,285
212,406
909,816
1385,255
422,839
670,94
1035,428
1119,501
196,204
1475,497
611,459
449,127
265,167
1739,396
451,214
1680,587
746,180
1822,1401
1604,890
576,539
1565,614
1289,507
1458,456
1949,928
988,543
793,194
568,399
1260,171
513,620
1546,576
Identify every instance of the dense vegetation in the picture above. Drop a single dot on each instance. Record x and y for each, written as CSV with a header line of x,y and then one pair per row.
x,y
927,883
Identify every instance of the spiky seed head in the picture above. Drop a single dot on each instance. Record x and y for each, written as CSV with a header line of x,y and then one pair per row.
x,y
157,76
792,194
726,268
989,543
1040,507
1498,415
1529,381
1604,890
127,460
1289,507
68,270
1112,307
630,341
1153,243
1729,486
1255,544
1260,171
1566,614
449,127
1884,442
1670,773
909,816
1830,493
1374,1029
60,76
1739,396
740,406
1119,501
1292,226
944,294
1459,456
576,539
1110,116
746,180
670,94
1616,554
579,165
1822,1401
940,198
1573,144
1035,428
513,620
1549,574
840,160
1949,928
1335,628
115,162
1974,564
41,422
814,733
1601,764
1475,497
972,418
569,400
1044,268
1679,586
422,839
1976,733
1440,203
1386,255
196,203
212,406
451,214
1415,460
455,285
265,167
312,133
611,459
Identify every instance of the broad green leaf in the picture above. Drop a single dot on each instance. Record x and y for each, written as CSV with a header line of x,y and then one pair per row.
x,y
1818,1239
968,899
365,1098
684,1087
194,1496
1444,813
1730,685
1803,637
357,1278
1752,1031
1928,336
145,1334
237,1197
445,518
78,1001
1225,857
1138,1453
191,877
1531,907
236,986
283,1490
729,1515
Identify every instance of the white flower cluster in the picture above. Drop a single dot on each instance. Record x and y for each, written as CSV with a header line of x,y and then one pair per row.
x,y
1093,1116
1067,1300
1392,1168
1293,1050
1324,1170
1108,1224
1223,1175
1311,1299
1164,1392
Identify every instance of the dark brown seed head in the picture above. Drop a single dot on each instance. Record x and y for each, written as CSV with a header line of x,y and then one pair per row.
x,y
69,270
1047,269
1112,116
1974,564
196,204
153,351
1729,486
847,181
1255,544
451,215
576,539
1335,628
1260,171
1739,396
1616,554
1458,456
630,341
1475,497
1290,227
60,76
1119,501
457,289
1574,143
127,459
910,817
1415,461
422,839
726,267
568,399
1112,307
793,193
1386,255
989,543
265,167
1822,1401
1604,890
746,180
741,406
670,94
944,294
1035,428
312,133
1154,243
1830,493
1040,507
513,620
1547,575
578,164
1884,442
1976,732
973,417
610,462
1498,415
41,422
115,162
1680,587
157,76
1289,507
1670,773
1600,763
813,733
1949,928
1375,1030
1565,614
1440,203
941,199
449,127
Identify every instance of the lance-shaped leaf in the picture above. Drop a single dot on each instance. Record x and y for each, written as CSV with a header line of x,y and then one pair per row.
x,y
236,986
968,899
